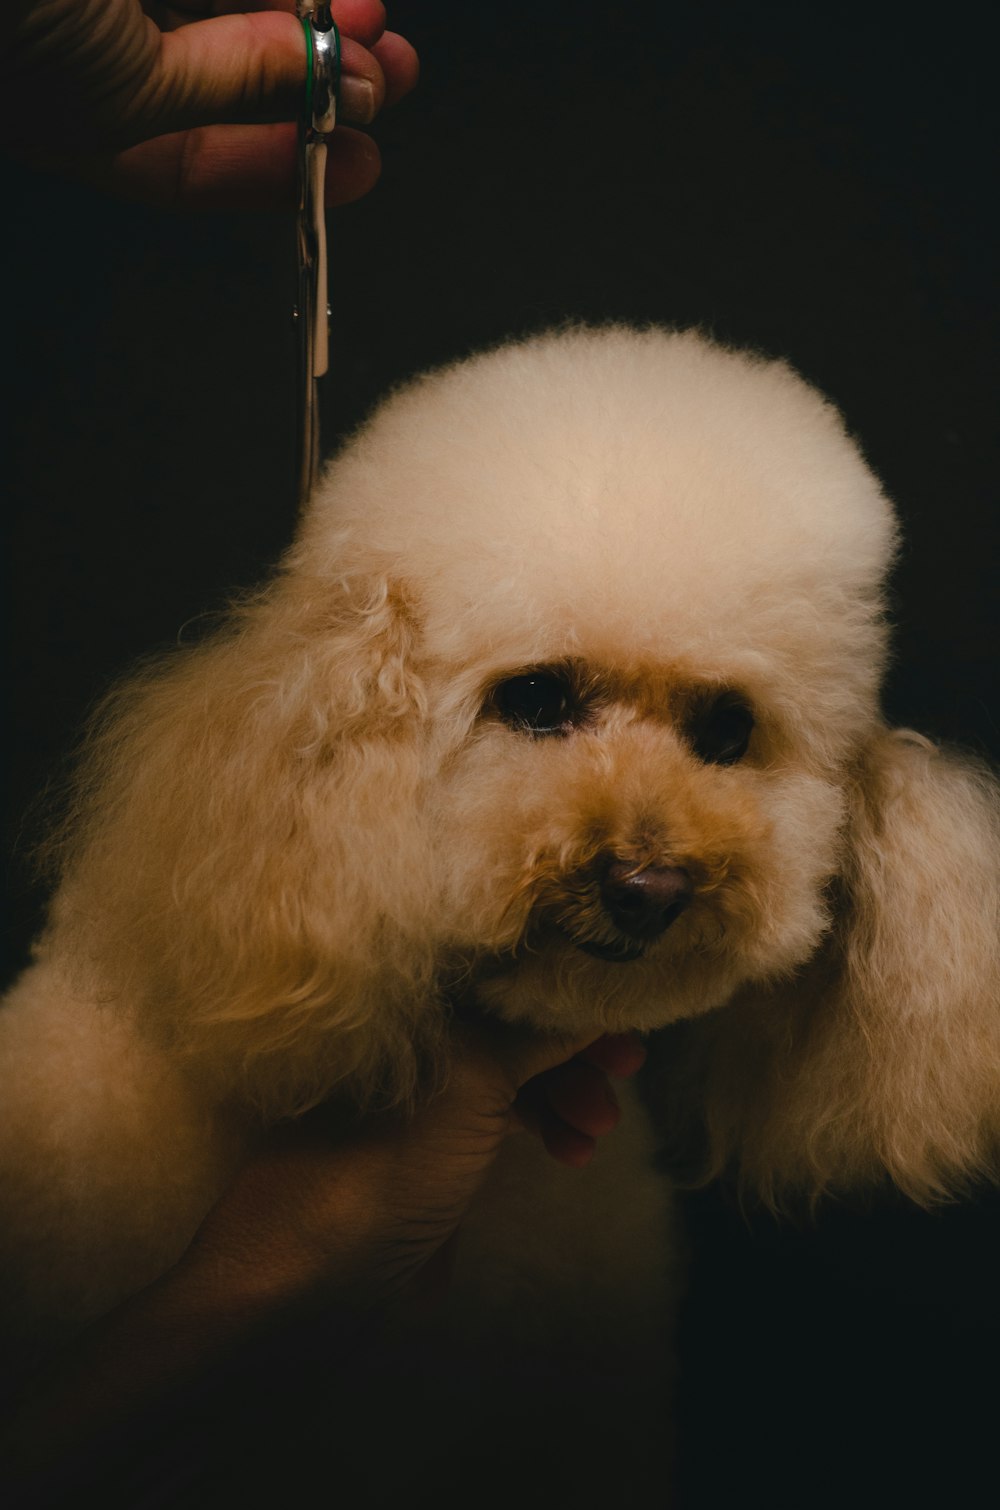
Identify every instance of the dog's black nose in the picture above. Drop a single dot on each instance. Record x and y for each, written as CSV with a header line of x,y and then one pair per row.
x,y
643,903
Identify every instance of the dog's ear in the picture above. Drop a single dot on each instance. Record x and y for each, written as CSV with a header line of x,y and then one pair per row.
x,y
883,1056
241,866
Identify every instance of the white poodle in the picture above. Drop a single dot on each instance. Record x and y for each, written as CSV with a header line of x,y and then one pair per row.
x,y
564,705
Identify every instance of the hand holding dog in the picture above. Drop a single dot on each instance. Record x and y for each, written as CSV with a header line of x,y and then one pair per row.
x,y
190,105
363,1217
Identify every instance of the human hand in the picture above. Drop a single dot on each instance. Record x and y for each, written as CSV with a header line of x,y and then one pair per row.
x,y
357,1222
191,104
361,1216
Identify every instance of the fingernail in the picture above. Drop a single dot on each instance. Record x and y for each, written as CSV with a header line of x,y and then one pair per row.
x,y
357,100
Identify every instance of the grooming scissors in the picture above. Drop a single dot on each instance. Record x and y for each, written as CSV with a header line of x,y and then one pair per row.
x,y
312,311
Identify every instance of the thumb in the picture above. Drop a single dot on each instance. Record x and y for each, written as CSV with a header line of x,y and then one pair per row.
x,y
228,69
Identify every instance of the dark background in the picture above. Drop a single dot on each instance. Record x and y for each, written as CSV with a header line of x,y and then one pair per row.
x,y
815,181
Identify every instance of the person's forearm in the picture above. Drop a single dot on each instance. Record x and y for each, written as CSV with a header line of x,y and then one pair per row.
x,y
107,1395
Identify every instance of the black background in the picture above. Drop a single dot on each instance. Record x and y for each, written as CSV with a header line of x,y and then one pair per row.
x,y
814,181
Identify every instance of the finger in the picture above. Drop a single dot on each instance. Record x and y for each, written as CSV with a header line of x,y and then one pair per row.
x,y
619,1054
353,165
566,1144
399,63
580,1096
234,168
362,84
364,20
526,1055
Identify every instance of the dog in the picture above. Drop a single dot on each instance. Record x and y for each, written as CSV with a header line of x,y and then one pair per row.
x,y
563,706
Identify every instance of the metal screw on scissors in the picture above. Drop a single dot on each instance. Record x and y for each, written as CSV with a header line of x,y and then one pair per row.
x,y
312,310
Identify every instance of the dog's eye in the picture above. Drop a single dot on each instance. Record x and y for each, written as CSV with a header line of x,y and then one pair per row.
x,y
720,733
540,701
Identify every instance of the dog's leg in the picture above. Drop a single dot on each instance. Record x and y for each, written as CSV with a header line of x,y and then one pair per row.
x,y
109,1157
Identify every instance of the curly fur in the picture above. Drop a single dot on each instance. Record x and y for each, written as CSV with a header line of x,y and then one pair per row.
x,y
295,848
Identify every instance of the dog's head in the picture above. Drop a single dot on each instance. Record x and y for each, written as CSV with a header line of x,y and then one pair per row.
x,y
641,575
